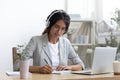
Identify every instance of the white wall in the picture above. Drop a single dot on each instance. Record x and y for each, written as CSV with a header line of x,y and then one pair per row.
x,y
19,21
98,10
108,11
83,7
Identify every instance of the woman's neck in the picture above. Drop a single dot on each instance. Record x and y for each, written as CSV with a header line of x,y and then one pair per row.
x,y
52,40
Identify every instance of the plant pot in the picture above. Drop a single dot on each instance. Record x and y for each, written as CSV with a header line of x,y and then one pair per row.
x,y
24,69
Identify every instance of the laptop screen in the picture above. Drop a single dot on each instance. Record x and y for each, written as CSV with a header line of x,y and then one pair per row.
x,y
103,59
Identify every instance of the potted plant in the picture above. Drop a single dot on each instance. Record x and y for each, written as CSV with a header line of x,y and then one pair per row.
x,y
116,17
113,42
23,63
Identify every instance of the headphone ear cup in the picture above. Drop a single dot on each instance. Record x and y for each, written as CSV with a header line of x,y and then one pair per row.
x,y
47,23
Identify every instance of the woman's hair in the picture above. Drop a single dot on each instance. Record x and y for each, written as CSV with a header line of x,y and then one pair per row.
x,y
54,17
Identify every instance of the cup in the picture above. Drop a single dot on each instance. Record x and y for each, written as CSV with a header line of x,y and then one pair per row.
x,y
116,67
24,69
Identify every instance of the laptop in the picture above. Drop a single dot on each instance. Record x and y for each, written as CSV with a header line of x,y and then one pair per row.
x,y
102,61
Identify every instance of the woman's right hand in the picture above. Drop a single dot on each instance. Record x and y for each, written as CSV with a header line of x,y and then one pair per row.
x,y
46,69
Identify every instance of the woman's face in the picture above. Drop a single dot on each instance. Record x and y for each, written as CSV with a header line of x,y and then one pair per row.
x,y
58,29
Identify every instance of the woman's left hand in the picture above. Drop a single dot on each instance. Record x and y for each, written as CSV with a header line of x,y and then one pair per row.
x,y
63,67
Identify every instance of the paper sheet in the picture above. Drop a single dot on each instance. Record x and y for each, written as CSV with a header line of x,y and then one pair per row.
x,y
11,73
62,72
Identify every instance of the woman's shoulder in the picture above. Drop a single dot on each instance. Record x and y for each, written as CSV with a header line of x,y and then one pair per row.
x,y
36,37
39,37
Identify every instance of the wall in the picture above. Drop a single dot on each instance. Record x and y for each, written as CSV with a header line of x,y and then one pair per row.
x,y
98,5
19,21
83,7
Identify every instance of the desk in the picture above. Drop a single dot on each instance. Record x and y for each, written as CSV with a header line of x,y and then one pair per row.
x,y
3,76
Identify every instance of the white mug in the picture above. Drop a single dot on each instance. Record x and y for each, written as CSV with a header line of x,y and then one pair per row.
x,y
116,67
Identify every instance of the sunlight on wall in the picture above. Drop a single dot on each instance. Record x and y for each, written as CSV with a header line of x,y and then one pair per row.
x,y
109,7
83,7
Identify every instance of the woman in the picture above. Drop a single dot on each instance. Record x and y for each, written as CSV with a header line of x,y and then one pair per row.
x,y
51,50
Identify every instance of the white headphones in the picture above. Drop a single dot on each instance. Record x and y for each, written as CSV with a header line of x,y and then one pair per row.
x,y
47,21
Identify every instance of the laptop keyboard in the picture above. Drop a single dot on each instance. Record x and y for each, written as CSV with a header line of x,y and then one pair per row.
x,y
86,71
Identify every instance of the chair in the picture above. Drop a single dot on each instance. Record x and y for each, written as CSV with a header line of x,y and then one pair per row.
x,y
14,53
15,59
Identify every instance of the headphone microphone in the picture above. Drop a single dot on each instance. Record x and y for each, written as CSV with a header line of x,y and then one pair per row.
x,y
48,20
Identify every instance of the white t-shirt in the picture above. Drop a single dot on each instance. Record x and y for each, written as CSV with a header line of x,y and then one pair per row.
x,y
54,54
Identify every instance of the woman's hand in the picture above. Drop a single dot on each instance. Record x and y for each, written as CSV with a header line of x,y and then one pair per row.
x,y
46,69
63,67
77,67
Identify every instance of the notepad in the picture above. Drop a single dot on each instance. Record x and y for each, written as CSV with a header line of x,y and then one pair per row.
x,y
12,73
62,72
15,73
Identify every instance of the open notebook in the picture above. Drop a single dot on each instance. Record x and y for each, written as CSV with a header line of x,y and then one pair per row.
x,y
102,61
62,72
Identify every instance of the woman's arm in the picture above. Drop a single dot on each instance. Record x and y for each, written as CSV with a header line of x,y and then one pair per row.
x,y
77,67
74,57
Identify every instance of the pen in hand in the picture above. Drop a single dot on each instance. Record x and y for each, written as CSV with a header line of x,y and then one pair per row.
x,y
46,68
45,61
48,64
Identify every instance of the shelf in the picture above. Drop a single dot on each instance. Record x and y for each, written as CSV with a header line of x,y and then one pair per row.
x,y
77,44
76,25
82,20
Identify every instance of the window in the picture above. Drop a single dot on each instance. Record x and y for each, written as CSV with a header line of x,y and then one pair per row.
x,y
82,7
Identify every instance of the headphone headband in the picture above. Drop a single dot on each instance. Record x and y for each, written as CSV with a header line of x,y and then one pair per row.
x,y
47,21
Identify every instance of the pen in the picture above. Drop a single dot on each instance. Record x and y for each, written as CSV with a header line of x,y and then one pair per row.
x,y
45,61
